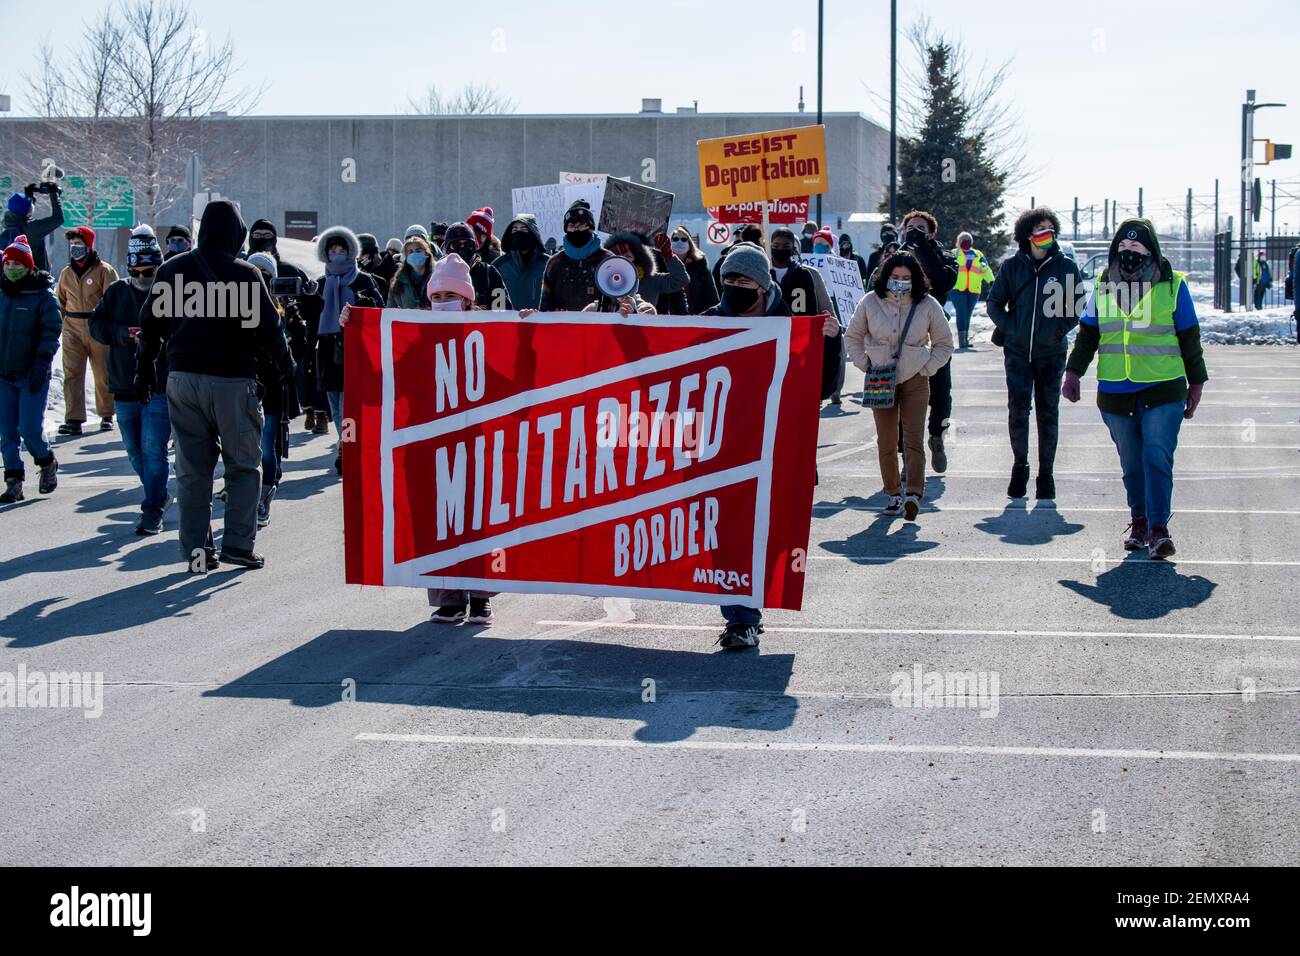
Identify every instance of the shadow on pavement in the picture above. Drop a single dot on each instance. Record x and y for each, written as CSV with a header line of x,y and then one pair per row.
x,y
97,552
169,596
472,669
874,544
1017,524
1143,593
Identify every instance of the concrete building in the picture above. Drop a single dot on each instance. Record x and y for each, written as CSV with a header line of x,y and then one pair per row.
x,y
381,173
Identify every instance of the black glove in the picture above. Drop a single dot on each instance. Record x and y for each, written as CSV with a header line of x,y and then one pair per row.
x,y
145,383
37,377
30,190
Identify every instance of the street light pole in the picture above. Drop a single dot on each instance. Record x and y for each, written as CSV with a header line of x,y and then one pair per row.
x,y
820,44
893,111
1248,109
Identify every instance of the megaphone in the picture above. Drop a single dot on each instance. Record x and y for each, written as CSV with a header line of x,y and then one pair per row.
x,y
616,277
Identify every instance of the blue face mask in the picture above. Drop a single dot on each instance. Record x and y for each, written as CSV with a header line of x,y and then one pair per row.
x,y
338,258
898,286
417,260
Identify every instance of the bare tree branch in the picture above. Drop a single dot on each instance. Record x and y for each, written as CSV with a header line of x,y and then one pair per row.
x,y
475,99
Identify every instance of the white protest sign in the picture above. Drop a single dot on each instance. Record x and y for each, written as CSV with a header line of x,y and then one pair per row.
x,y
573,179
547,203
843,282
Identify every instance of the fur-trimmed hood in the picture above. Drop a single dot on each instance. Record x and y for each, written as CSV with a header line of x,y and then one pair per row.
x,y
337,232
634,246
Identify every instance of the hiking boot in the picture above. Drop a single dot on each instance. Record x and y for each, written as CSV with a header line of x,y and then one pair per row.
x,y
1045,486
480,611
895,506
1019,484
1160,545
49,475
321,426
13,488
70,428
448,614
938,457
739,637
1138,535
244,557
106,423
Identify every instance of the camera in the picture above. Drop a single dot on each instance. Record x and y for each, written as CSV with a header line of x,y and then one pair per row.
x,y
288,286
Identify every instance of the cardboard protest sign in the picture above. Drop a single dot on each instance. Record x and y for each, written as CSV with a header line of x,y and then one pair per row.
x,y
547,203
758,166
843,282
781,212
581,453
634,207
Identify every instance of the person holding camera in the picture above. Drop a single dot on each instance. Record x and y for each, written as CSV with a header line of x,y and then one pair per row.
x,y
82,285
17,220
143,418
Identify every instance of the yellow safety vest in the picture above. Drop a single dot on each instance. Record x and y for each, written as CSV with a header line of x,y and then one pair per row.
x,y
1140,345
971,279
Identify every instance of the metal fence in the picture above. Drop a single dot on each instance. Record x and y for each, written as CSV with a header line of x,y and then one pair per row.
x,y
1228,268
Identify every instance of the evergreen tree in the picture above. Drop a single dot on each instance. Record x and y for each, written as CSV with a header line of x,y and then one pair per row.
x,y
945,167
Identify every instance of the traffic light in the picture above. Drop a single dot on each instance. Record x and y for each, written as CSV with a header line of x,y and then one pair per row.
x,y
1274,151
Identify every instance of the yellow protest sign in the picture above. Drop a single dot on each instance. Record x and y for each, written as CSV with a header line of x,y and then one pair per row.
x,y
758,166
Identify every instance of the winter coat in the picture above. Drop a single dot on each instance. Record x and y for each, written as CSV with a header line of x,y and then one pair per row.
x,y
407,290
329,348
873,334
701,293
12,226
939,266
81,288
490,290
224,345
522,271
30,325
569,284
117,312
805,293
1033,304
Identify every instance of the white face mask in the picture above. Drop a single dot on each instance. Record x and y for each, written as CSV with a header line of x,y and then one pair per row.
x,y
454,305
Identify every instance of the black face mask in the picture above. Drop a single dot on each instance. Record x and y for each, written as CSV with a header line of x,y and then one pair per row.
x,y
466,250
781,257
1132,262
261,245
579,237
738,299
915,237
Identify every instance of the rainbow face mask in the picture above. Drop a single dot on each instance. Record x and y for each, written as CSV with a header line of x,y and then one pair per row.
x,y
1043,239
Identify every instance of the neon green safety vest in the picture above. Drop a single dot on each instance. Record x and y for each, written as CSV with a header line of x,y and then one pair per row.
x,y
971,280
1141,346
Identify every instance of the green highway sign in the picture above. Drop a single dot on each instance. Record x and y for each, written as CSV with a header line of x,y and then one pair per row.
x,y
112,197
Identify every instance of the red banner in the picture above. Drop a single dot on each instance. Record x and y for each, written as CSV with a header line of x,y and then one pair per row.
x,y
581,453
783,212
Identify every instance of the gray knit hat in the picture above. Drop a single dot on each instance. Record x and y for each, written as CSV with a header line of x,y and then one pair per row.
x,y
415,229
750,261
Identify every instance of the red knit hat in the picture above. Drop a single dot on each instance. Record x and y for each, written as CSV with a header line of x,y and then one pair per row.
x,y
85,233
482,219
825,234
21,252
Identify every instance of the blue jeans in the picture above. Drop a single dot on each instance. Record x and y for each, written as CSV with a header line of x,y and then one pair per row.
x,y
1146,441
270,460
146,429
964,304
22,415
740,614
336,411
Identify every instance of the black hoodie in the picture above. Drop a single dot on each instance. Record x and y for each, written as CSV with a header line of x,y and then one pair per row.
x,y
231,312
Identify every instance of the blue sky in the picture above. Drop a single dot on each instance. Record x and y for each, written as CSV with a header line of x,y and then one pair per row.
x,y
1113,95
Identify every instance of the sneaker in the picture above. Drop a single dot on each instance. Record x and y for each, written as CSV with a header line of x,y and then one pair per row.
x,y
1045,486
1018,487
70,428
106,424
13,488
149,525
480,611
264,506
448,614
938,456
911,507
1160,545
49,476
244,557
895,506
1138,535
739,637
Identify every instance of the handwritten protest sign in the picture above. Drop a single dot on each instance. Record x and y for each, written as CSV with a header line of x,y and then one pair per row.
x,y
843,282
635,207
547,203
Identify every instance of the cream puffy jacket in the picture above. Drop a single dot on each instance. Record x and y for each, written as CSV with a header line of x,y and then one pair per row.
x,y
873,332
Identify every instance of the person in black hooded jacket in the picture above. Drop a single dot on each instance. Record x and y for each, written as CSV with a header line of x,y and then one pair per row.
x,y
212,313
523,261
489,288
1034,305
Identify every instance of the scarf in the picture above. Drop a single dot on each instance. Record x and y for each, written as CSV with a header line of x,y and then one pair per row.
x,y
338,292
574,252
